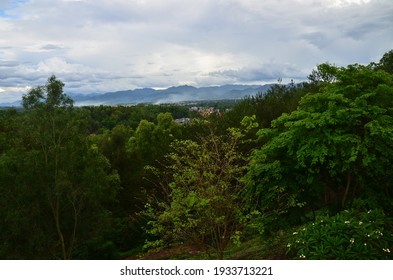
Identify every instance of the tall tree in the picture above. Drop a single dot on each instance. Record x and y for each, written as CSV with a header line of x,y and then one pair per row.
x,y
59,172
337,145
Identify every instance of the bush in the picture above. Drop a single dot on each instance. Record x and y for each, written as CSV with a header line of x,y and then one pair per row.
x,y
351,234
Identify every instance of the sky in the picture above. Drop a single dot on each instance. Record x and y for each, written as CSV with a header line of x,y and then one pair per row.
x,y
97,46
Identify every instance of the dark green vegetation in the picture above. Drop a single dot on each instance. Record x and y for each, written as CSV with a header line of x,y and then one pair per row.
x,y
302,171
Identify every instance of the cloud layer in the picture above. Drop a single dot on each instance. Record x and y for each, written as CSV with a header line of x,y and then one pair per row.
x,y
99,45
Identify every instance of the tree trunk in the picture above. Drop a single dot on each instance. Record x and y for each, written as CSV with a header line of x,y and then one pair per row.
x,y
346,188
56,214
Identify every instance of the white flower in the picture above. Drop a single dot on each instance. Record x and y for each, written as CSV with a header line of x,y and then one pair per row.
x,y
360,223
365,244
369,211
386,250
352,240
289,245
302,256
346,222
294,233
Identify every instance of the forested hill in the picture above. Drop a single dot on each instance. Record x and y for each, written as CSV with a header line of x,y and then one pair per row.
x,y
170,95
303,171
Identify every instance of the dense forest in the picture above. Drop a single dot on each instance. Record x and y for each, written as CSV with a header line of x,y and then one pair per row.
x,y
303,171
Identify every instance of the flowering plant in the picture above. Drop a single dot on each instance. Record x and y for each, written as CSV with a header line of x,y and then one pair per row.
x,y
350,234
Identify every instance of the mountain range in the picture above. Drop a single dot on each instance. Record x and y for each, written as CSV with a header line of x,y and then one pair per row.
x,y
170,95
173,94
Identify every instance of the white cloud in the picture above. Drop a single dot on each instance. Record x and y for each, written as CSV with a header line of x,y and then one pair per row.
x,y
99,45
343,3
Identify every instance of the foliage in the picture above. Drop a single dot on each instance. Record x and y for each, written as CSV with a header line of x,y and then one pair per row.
x,y
335,146
324,74
112,144
202,206
107,117
267,106
55,186
50,96
150,140
128,151
351,234
386,62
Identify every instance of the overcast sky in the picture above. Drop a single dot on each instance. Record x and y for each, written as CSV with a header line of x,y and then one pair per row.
x,y
109,45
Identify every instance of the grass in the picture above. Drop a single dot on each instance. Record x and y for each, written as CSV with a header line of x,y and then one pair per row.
x,y
254,248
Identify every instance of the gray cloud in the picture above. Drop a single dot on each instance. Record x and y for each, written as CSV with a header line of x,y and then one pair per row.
x,y
265,73
8,63
317,39
99,45
51,47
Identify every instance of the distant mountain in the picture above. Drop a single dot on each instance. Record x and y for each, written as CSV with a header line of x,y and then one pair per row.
x,y
170,95
11,104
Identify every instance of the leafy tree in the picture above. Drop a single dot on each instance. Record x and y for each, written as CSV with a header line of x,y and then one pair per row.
x,y
267,106
58,185
107,117
324,74
128,152
200,183
386,62
113,146
151,141
337,145
50,96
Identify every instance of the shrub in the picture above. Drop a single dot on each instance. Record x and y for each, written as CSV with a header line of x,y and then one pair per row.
x,y
350,234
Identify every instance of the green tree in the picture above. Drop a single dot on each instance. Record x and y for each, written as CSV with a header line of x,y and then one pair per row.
x,y
129,151
113,145
324,74
151,141
267,106
55,170
50,96
201,204
337,145
149,144
386,62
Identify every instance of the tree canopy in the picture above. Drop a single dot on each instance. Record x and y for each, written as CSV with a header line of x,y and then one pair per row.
x,y
55,185
336,146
